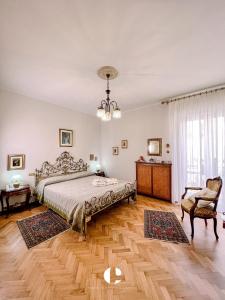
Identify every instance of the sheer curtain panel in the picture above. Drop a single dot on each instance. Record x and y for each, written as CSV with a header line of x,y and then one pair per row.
x,y
197,129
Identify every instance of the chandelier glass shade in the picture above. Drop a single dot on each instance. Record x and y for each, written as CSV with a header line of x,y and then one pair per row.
x,y
109,108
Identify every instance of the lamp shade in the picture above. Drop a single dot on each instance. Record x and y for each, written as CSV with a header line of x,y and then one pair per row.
x,y
106,117
117,113
16,180
98,167
100,112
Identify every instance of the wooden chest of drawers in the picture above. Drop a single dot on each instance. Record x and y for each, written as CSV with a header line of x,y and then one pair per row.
x,y
154,179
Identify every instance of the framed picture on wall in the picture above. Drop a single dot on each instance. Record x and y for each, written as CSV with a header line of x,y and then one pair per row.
x,y
155,147
124,144
65,138
16,162
115,150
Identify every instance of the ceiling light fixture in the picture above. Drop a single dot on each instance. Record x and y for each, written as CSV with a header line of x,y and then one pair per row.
x,y
109,108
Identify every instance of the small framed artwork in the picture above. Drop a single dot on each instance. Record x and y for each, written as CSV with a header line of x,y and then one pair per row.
x,y
124,144
155,147
16,162
65,138
167,148
115,150
92,156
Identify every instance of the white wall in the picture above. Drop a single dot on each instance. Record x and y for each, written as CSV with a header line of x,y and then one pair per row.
x,y
136,126
31,127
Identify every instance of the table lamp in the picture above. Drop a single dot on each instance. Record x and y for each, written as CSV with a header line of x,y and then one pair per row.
x,y
98,167
16,181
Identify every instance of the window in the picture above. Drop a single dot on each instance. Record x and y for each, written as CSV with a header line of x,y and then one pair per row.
x,y
205,149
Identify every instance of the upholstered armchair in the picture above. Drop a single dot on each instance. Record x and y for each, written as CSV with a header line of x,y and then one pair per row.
x,y
207,209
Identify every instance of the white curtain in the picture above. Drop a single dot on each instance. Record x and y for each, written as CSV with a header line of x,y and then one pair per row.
x,y
197,129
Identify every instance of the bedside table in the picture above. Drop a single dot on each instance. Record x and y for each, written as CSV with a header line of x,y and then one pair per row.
x,y
6,194
102,174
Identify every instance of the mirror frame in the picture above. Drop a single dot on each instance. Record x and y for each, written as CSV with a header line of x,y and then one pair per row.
x,y
159,140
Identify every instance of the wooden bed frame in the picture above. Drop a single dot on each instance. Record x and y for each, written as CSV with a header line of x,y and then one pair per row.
x,y
65,165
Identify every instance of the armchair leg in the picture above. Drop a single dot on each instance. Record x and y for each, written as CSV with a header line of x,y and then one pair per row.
x,y
206,222
215,228
182,214
192,227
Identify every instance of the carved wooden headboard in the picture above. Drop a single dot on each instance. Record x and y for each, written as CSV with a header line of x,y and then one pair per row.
x,y
64,164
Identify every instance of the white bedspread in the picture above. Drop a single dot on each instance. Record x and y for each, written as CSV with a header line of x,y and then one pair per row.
x,y
68,197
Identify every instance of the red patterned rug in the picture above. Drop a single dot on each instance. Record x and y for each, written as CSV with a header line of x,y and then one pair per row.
x,y
41,227
164,226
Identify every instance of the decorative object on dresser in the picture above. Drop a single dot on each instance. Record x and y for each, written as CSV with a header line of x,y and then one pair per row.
x,y
100,173
65,138
6,194
16,162
124,144
155,147
202,204
141,158
115,150
154,179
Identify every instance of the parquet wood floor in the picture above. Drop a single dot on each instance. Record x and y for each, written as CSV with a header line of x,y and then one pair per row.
x,y
67,268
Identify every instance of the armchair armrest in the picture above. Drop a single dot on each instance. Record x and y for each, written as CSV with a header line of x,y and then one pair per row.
x,y
205,199
190,188
193,188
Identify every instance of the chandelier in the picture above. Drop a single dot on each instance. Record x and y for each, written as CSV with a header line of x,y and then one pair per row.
x,y
109,108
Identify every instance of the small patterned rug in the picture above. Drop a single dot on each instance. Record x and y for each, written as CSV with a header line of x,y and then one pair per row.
x,y
164,226
41,227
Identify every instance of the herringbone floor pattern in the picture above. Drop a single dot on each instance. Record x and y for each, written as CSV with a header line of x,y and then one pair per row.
x,y
67,268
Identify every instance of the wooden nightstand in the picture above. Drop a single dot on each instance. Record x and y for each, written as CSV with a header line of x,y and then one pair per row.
x,y
6,194
101,173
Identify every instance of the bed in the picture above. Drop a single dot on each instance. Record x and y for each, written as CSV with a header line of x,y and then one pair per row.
x,y
69,189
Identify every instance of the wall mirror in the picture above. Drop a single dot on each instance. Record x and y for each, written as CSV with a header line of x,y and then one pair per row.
x,y
155,147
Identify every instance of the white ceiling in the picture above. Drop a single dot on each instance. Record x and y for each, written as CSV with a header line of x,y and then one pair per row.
x,y
51,49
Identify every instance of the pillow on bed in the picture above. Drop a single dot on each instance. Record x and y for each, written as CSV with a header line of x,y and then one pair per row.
x,y
68,176
60,178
